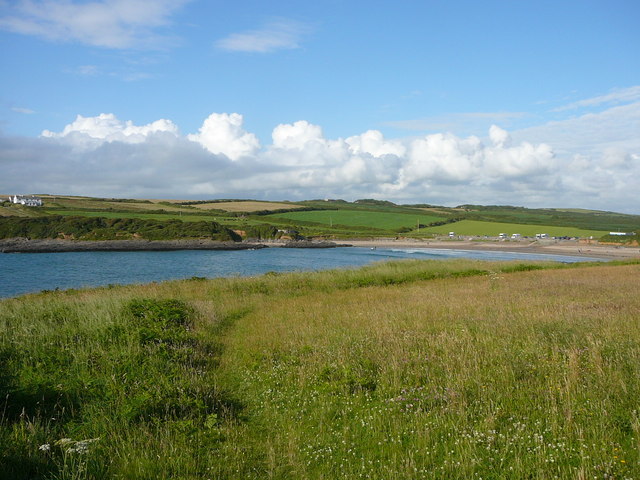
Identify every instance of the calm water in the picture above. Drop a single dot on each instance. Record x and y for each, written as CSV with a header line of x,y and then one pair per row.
x,y
32,272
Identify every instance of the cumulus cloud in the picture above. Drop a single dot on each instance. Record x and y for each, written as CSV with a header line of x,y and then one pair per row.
x,y
119,24
222,133
88,132
283,34
373,143
297,135
498,136
106,156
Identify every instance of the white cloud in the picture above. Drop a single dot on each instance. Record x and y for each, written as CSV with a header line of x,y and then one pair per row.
x,y
119,24
456,122
91,131
615,97
222,133
278,35
103,155
296,135
25,111
373,143
498,136
87,70
591,133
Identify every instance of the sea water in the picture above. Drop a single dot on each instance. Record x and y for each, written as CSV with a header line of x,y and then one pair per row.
x,y
32,272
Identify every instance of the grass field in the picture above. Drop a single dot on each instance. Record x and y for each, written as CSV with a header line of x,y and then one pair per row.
x,y
578,218
364,218
248,206
72,203
492,229
13,211
155,216
408,370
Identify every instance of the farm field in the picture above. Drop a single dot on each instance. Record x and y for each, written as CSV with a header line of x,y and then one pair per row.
x,y
362,218
185,217
340,219
405,370
107,204
492,229
248,206
129,214
578,218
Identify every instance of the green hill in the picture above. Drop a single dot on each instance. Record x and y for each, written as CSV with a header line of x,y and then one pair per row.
x,y
339,218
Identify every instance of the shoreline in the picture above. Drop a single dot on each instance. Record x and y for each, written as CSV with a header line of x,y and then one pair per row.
x,y
573,248
50,245
23,245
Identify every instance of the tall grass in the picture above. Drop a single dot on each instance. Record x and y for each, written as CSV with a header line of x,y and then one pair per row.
x,y
459,369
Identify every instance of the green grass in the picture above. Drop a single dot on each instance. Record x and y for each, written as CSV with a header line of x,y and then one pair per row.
x,y
448,370
364,218
585,219
492,229
146,216
231,222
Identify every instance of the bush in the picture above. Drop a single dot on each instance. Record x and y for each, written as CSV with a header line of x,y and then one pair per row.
x,y
99,228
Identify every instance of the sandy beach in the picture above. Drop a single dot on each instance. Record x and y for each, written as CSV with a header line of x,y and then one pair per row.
x,y
570,247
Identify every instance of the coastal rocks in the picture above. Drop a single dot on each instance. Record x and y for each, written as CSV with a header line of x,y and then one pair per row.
x,y
25,245
310,244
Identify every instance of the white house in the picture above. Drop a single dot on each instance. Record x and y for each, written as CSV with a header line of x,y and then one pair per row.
x,y
28,201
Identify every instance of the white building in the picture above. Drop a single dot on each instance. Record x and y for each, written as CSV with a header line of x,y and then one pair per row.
x,y
28,201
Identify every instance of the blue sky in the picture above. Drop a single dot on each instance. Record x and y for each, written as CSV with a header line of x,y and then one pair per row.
x,y
527,103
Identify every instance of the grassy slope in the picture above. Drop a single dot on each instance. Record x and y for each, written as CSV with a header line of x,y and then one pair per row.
x,y
148,216
381,220
586,219
9,210
246,206
474,227
403,370
348,219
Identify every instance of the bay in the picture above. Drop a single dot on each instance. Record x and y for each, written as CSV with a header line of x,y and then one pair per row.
x,y
33,272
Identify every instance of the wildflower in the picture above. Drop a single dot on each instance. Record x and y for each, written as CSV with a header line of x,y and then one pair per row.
x,y
45,448
80,446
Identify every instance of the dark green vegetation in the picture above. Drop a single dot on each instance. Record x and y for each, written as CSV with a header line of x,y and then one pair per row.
x,y
99,228
340,219
471,369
